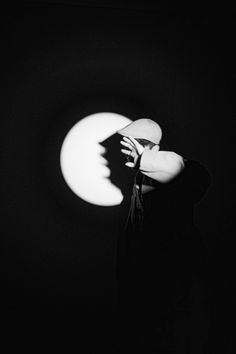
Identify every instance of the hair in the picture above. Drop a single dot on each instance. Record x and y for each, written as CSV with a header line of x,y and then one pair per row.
x,y
145,142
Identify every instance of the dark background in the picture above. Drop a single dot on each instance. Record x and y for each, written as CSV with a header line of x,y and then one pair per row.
x,y
61,62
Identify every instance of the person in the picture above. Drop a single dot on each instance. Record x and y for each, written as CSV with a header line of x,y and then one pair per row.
x,y
161,258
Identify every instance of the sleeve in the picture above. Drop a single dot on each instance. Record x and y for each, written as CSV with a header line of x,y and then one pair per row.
x,y
189,186
193,182
196,181
161,166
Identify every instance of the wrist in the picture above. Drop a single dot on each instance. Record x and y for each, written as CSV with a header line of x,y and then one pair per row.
x,y
137,163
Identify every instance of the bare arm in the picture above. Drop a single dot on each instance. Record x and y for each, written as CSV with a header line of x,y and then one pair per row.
x,y
161,166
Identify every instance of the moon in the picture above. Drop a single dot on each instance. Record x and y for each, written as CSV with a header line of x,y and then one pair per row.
x,y
82,165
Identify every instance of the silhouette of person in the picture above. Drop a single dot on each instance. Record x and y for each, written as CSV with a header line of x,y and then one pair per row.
x,y
160,256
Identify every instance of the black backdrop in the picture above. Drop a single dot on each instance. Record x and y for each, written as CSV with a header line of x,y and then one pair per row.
x,y
60,63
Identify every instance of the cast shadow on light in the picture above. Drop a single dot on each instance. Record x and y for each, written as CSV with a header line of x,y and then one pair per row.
x,y
120,175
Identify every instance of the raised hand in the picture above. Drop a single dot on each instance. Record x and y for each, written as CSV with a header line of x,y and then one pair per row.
x,y
133,149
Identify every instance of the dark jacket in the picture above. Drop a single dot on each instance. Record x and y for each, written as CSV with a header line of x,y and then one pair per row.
x,y
162,253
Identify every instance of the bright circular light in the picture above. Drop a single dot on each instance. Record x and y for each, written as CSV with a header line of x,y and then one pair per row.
x,y
83,167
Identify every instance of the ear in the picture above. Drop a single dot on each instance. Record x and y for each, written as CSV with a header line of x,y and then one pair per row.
x,y
155,147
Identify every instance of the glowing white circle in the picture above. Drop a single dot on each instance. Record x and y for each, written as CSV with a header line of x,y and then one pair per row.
x,y
83,167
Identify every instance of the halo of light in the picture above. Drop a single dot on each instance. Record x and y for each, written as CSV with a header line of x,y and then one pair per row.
x,y
83,167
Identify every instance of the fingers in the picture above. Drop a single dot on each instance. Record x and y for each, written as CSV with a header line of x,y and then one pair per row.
x,y
124,143
133,141
126,152
137,146
129,150
127,144
130,140
129,164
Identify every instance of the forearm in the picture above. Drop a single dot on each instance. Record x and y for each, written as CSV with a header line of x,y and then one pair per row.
x,y
161,166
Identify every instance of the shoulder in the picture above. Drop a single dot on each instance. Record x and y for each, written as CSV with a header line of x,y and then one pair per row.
x,y
196,169
195,180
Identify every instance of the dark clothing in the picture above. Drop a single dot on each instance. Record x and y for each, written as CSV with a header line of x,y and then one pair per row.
x,y
161,259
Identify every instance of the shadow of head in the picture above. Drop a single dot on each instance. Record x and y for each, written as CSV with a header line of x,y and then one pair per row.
x,y
120,175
